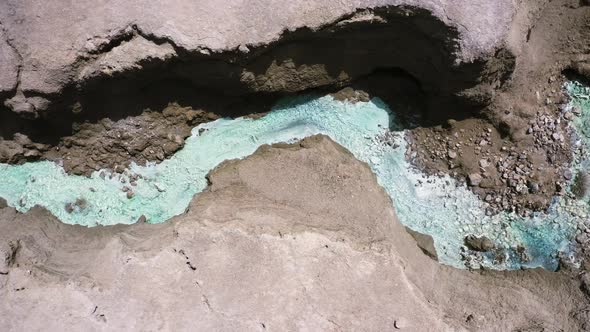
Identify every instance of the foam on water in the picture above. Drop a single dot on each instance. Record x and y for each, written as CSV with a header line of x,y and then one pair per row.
x,y
436,206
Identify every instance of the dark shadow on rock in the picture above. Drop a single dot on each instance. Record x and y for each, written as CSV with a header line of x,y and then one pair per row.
x,y
424,242
403,55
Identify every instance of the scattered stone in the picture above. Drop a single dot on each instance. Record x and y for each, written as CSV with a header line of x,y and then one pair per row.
x,y
582,238
576,110
69,207
452,154
533,187
479,243
351,95
130,194
81,203
559,188
474,179
484,163
522,254
244,49
581,184
78,205
510,175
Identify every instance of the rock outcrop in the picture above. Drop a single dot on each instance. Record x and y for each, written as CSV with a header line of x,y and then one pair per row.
x,y
53,50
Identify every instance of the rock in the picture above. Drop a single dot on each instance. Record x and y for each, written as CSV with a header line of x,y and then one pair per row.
x,y
81,203
522,189
484,163
582,238
567,174
142,219
69,207
3,203
244,49
452,154
474,179
476,243
130,194
533,187
522,253
512,183
581,184
351,95
425,242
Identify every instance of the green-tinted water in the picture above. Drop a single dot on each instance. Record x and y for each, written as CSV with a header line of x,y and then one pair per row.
x,y
437,207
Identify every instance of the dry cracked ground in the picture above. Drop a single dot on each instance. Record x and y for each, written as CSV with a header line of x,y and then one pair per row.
x,y
299,236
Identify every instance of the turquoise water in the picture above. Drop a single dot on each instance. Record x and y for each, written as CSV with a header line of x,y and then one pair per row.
x,y
437,206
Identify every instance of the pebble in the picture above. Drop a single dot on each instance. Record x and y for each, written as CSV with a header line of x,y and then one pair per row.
x,y
484,163
533,187
477,243
474,179
244,49
69,208
452,154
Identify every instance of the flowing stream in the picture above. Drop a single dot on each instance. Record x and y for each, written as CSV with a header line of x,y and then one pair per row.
x,y
436,206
